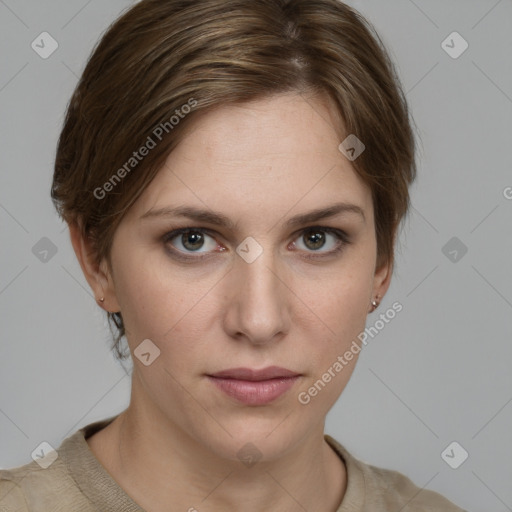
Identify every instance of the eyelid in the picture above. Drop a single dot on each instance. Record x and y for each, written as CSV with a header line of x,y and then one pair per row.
x,y
342,237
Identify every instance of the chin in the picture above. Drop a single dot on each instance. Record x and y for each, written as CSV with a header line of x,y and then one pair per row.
x,y
252,438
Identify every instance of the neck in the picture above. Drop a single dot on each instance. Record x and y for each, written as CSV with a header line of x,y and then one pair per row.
x,y
157,463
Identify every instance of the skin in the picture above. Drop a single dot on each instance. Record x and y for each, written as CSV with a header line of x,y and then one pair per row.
x,y
259,163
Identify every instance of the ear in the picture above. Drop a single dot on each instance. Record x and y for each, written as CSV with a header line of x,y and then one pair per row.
x,y
382,280
382,276
98,276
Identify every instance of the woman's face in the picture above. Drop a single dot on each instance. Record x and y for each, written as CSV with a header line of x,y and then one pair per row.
x,y
263,289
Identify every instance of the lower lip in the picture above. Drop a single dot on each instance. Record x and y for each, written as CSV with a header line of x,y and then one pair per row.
x,y
255,392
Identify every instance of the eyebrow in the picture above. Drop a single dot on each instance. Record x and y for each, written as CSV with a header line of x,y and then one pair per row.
x,y
219,219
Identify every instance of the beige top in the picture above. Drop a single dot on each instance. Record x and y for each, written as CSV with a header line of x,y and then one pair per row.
x,y
77,482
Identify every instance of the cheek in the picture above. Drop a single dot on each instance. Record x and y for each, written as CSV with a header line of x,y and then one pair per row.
x,y
340,311
333,359
343,301
146,299
164,305
345,317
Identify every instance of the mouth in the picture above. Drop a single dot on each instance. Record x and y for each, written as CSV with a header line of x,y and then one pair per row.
x,y
254,387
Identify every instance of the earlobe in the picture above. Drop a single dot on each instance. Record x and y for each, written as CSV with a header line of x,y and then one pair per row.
x,y
97,275
375,303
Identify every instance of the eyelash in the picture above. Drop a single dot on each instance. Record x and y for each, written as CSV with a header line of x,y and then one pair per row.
x,y
343,241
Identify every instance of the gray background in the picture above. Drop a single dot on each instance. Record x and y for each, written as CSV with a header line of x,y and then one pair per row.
x,y
439,372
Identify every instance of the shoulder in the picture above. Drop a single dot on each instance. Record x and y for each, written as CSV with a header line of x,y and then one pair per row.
x,y
19,484
11,493
375,488
56,480
392,487
31,486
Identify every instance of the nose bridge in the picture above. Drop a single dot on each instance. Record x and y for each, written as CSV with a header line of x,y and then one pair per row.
x,y
259,276
259,297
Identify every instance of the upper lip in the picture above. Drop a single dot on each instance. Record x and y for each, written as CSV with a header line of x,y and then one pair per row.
x,y
271,372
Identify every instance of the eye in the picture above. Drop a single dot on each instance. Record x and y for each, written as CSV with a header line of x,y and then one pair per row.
x,y
191,240
315,238
184,242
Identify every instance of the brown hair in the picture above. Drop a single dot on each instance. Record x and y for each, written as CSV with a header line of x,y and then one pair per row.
x,y
161,56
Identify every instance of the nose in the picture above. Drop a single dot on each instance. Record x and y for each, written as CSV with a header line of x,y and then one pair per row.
x,y
258,300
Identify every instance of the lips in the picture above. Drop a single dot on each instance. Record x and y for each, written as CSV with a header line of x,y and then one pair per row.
x,y
254,387
271,372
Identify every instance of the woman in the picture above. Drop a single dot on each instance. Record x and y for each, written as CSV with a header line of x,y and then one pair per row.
x,y
233,175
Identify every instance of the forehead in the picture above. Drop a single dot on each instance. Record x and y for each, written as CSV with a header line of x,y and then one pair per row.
x,y
275,154
267,129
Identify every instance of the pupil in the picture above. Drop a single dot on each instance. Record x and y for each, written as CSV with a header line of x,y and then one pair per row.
x,y
317,239
194,237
